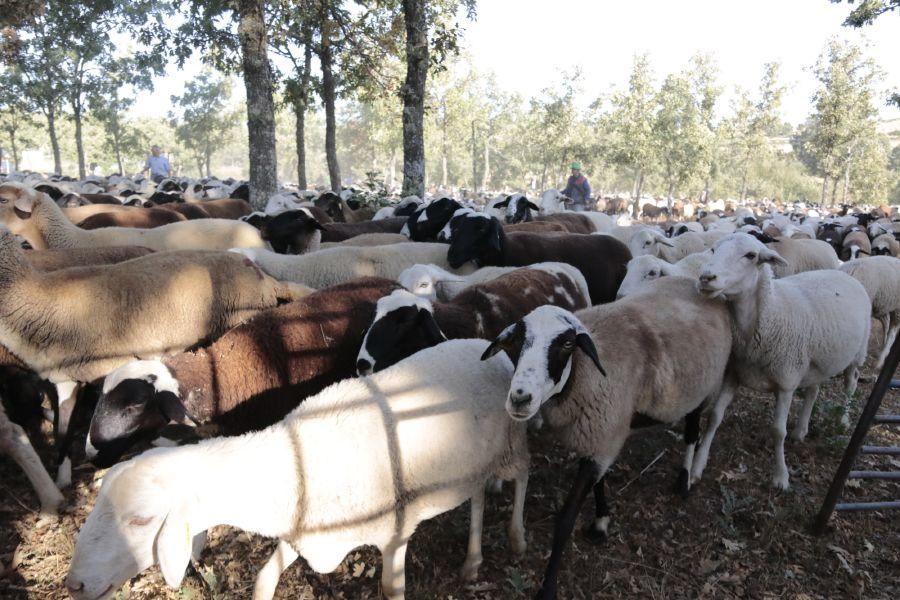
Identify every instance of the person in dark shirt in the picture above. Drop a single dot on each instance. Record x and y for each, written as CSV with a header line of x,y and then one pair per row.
x,y
578,188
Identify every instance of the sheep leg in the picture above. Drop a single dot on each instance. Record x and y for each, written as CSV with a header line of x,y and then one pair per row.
x,y
780,476
851,377
890,334
67,392
517,520
691,435
597,531
15,443
393,570
476,522
809,400
726,395
267,579
589,472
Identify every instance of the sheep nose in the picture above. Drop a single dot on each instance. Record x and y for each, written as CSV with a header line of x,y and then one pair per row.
x,y
74,587
520,398
705,278
363,367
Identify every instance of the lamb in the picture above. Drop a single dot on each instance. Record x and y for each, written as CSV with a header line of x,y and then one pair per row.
x,y
552,202
632,372
518,208
141,218
427,221
880,276
405,323
647,268
248,379
37,219
363,462
434,283
601,259
80,324
339,264
791,333
855,242
885,245
53,260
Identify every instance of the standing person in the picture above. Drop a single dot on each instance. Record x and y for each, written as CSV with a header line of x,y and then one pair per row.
x,y
578,188
157,164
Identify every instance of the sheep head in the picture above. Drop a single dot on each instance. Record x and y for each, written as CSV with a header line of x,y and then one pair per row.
x,y
734,264
540,346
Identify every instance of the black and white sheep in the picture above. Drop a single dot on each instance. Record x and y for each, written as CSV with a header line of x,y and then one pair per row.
x,y
405,323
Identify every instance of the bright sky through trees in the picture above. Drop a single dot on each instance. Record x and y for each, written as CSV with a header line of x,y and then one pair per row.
x,y
528,43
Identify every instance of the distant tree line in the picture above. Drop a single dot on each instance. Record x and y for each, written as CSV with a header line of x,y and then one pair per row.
x,y
379,92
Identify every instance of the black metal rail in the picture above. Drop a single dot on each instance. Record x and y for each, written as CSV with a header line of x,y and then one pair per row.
x,y
845,470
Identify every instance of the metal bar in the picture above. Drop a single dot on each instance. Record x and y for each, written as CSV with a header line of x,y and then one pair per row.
x,y
873,475
889,450
887,419
856,506
856,440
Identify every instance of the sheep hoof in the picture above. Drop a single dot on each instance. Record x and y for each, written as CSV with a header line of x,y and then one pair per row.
x,y
64,474
596,531
798,435
683,484
781,482
470,569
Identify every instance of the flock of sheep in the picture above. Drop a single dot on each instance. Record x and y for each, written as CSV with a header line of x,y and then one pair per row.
x,y
374,370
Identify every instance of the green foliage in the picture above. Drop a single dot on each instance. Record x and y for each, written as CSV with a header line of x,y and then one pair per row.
x,y
203,120
868,11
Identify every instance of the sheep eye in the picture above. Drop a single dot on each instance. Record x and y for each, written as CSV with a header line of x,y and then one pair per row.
x,y
652,273
139,521
750,255
647,243
568,345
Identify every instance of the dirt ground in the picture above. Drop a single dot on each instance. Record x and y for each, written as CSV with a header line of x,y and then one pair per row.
x,y
734,537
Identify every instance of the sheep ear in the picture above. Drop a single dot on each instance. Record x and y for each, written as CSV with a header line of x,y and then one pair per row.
x,y
587,346
172,408
173,547
504,203
662,239
665,269
532,206
25,203
496,345
772,257
495,232
316,225
431,327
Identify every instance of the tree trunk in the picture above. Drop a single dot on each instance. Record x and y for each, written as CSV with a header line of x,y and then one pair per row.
x,y
199,159
414,98
824,188
669,196
118,149
14,148
846,183
474,161
834,184
54,141
636,209
208,156
486,174
300,141
329,87
260,106
393,171
300,110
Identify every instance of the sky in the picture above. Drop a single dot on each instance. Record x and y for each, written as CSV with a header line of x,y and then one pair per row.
x,y
530,44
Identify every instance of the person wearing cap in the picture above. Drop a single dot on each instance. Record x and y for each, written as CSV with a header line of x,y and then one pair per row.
x,y
578,188
157,164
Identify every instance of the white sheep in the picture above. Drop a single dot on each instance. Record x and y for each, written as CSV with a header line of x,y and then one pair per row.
x,y
339,264
40,221
647,268
885,244
801,255
880,275
552,202
791,333
631,372
363,462
435,283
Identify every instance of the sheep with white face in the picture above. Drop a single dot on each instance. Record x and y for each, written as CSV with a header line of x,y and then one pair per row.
x,y
791,333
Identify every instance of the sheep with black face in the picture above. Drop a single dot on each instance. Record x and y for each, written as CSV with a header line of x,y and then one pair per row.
x,y
518,208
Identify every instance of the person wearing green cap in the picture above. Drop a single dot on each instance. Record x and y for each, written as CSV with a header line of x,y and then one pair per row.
x,y
578,188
